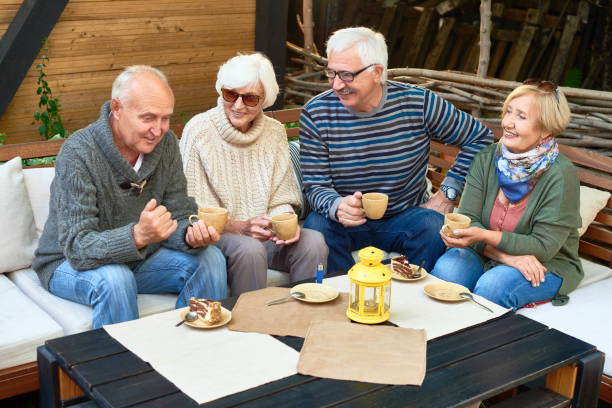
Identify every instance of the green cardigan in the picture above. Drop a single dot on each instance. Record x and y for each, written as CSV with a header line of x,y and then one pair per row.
x,y
547,228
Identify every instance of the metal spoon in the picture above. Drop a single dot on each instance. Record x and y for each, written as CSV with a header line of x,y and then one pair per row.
x,y
291,295
469,296
189,317
417,274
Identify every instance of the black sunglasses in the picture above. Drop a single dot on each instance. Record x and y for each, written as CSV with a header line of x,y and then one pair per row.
x,y
346,76
545,86
248,99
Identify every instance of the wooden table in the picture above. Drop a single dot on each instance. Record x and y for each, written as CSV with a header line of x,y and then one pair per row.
x,y
462,368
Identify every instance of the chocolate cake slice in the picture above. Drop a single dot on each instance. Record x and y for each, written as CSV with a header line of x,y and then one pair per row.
x,y
208,310
401,266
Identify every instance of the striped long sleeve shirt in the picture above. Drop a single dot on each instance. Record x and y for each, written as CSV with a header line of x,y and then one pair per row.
x,y
384,150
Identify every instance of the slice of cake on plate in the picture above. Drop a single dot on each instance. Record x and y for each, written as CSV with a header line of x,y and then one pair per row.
x,y
208,310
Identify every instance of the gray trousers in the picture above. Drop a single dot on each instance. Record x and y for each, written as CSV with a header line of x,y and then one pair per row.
x,y
248,259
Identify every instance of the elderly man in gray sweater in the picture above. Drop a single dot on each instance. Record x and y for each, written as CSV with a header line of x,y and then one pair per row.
x,y
118,221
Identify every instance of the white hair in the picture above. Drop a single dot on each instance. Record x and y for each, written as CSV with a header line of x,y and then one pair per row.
x,y
249,70
122,83
371,46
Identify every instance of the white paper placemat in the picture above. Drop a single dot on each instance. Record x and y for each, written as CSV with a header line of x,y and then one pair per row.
x,y
412,308
205,364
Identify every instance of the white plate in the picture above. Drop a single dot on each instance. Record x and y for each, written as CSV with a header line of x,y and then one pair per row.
x,y
226,316
315,292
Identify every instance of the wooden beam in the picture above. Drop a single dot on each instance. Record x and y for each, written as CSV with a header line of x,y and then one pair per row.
x,y
561,57
433,58
412,45
520,48
22,41
270,38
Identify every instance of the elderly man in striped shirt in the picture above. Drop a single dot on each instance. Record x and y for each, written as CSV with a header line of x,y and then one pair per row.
x,y
368,134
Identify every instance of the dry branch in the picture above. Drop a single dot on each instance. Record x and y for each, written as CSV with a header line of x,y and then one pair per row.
x,y
591,120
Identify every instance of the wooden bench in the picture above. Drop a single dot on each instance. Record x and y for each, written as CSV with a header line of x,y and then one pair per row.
x,y
594,170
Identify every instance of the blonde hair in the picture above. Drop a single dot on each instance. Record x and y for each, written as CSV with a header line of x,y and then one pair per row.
x,y
249,69
371,46
553,109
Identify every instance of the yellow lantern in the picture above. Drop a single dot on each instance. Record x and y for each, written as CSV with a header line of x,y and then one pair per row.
x,y
370,294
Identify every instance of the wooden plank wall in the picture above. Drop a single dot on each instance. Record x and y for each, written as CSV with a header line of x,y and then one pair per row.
x,y
95,39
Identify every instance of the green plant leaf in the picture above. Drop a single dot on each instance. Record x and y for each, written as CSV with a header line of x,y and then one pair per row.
x,y
39,90
37,115
45,115
42,129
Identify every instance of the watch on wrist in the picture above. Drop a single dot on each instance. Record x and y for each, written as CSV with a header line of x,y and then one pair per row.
x,y
450,192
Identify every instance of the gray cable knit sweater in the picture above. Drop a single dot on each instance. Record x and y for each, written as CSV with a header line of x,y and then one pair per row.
x,y
91,217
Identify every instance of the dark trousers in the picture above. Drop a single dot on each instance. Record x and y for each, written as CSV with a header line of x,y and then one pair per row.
x,y
414,233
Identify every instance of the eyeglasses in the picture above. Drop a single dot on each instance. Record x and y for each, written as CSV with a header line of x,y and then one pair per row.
x,y
248,99
345,76
545,86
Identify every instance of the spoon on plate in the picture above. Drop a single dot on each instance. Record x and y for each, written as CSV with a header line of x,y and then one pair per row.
x,y
467,295
296,295
189,317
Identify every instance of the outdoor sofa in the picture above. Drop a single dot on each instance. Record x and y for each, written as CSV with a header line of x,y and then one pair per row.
x,y
29,314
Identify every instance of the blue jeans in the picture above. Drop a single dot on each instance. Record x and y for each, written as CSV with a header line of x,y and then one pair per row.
x,y
502,284
414,233
111,290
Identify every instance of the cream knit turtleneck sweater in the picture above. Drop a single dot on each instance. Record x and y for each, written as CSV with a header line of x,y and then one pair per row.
x,y
249,173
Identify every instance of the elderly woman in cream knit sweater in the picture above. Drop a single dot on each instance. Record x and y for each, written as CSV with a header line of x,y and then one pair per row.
x,y
237,158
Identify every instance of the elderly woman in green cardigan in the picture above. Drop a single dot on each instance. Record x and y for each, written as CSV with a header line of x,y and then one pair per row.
x,y
522,196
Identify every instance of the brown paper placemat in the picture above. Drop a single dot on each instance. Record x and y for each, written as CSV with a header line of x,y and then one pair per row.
x,y
375,354
291,318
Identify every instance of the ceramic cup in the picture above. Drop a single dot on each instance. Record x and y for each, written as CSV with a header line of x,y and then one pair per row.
x,y
374,205
453,221
212,216
285,225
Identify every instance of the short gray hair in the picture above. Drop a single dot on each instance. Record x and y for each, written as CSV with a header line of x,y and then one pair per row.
x,y
249,69
124,79
371,46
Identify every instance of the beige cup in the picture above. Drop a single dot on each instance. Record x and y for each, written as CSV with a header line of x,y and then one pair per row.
x,y
212,216
285,225
453,221
374,205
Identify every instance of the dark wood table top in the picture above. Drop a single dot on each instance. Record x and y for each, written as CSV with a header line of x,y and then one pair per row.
x,y
462,368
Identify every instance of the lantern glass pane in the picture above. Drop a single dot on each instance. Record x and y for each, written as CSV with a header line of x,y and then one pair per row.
x,y
387,296
370,303
354,297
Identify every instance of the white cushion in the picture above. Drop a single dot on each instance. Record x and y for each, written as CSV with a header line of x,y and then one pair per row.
x,y
24,326
277,278
593,272
592,201
586,316
74,317
38,183
18,239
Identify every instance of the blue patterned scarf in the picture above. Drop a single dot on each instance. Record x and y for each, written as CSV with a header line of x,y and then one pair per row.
x,y
517,173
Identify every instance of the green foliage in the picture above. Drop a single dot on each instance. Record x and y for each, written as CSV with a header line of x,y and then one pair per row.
x,y
41,160
49,114
2,137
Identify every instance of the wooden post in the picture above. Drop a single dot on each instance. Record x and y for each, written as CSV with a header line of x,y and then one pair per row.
x,y
308,32
485,43
485,38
